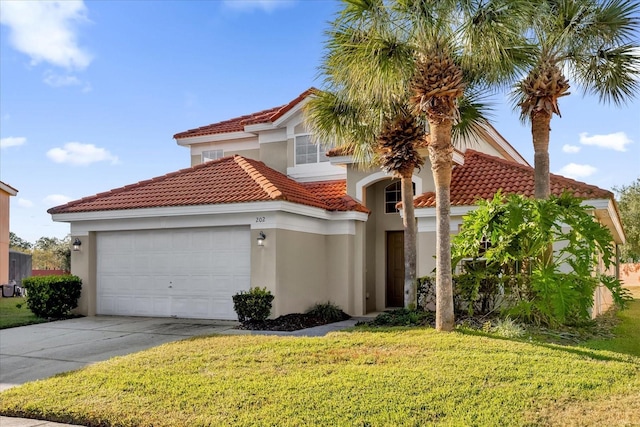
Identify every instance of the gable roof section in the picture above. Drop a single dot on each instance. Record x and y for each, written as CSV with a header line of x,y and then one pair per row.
x,y
237,124
334,193
228,180
482,175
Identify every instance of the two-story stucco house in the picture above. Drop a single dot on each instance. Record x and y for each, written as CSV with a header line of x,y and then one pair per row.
x,y
262,206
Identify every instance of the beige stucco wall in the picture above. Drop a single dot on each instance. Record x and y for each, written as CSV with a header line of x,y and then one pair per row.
x,y
426,261
249,154
273,155
345,271
302,269
83,265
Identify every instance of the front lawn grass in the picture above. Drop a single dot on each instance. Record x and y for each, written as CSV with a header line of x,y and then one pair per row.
x,y
626,333
392,377
14,312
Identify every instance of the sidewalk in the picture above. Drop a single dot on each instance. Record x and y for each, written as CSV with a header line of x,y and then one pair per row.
x,y
24,422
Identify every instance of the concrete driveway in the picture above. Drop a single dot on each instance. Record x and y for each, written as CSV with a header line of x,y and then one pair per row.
x,y
39,351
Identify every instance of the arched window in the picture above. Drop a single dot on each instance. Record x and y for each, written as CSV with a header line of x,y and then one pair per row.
x,y
392,195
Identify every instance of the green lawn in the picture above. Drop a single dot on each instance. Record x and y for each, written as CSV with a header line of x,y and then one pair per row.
x,y
12,316
397,377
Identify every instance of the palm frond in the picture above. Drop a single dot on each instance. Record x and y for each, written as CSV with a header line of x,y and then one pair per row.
x,y
475,113
612,74
335,121
491,39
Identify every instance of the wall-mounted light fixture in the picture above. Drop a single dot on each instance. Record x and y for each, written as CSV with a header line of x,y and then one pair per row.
x,y
76,244
261,238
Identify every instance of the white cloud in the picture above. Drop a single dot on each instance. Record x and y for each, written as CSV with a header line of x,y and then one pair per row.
x,y
570,148
24,203
266,5
12,141
61,80
77,153
57,80
56,200
614,141
46,31
575,171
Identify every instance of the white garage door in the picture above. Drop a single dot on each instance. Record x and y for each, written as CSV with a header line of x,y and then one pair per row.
x,y
172,273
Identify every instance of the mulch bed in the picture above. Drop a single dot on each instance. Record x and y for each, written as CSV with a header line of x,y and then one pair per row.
x,y
289,322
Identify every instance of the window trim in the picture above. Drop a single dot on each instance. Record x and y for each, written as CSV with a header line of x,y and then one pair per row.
x,y
319,154
399,196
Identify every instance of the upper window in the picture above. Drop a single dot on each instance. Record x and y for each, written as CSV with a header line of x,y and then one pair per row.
x,y
212,155
393,195
307,152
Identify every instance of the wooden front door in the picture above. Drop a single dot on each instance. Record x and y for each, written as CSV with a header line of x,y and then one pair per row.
x,y
395,269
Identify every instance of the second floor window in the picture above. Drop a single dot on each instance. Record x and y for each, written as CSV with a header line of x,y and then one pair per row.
x,y
212,155
307,152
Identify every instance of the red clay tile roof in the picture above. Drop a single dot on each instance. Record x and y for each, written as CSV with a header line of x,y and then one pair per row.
x,y
334,193
482,175
228,180
237,124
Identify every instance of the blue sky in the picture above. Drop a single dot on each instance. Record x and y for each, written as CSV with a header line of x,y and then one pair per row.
x,y
91,94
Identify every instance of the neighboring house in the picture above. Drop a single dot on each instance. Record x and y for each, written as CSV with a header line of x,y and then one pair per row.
x,y
262,206
6,191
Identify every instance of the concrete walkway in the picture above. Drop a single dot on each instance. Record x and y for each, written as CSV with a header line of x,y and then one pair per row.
x,y
29,353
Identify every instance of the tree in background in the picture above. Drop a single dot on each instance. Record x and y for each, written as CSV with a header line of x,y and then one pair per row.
x,y
52,253
594,43
629,207
18,244
48,253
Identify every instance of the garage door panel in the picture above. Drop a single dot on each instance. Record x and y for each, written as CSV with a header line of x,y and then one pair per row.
x,y
175,272
220,305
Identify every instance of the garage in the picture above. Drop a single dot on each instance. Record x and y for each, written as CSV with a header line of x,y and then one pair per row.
x,y
185,272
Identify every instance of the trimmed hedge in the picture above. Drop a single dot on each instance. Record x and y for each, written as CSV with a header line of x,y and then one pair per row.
x,y
254,305
52,296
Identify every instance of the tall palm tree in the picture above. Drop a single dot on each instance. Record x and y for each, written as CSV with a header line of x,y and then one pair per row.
x,y
592,42
390,63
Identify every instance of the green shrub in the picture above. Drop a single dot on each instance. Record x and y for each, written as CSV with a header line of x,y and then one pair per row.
x,y
474,292
513,236
253,306
52,296
403,317
328,312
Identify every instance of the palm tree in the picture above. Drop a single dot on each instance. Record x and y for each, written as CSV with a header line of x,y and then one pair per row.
x,y
592,42
389,64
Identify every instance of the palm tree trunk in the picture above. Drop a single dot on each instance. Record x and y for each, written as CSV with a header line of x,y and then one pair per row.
x,y
410,233
441,156
540,129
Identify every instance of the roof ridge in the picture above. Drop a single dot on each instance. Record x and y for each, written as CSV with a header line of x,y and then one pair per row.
x,y
267,186
288,106
138,184
237,124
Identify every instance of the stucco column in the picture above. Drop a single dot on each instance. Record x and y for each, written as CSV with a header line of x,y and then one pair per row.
x,y
83,265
